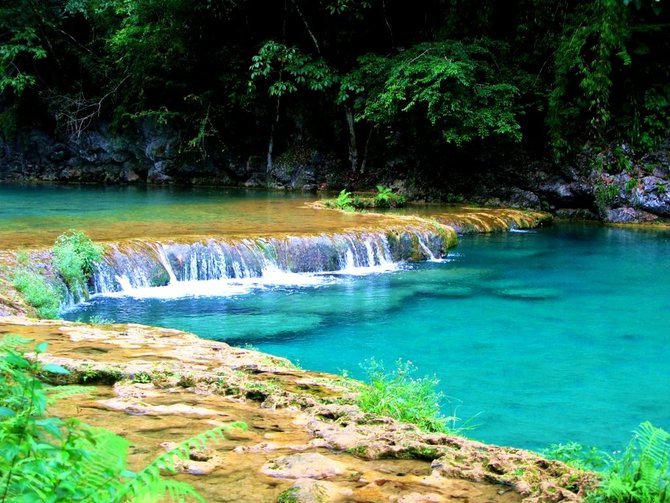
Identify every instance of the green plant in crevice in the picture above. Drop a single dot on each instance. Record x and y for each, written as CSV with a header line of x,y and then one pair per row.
x,y
406,398
631,185
57,460
75,256
38,292
605,195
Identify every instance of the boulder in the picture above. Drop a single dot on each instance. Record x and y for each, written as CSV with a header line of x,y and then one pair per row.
x,y
653,195
628,215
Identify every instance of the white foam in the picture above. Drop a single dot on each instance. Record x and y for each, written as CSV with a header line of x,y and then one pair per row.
x,y
365,271
222,287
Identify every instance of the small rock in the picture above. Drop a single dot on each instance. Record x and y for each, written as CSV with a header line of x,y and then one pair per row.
x,y
308,465
310,491
427,498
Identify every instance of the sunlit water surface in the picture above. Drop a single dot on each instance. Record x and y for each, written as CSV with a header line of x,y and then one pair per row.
x,y
549,336
34,215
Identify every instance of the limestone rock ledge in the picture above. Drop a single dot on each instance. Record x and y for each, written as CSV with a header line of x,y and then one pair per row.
x,y
307,440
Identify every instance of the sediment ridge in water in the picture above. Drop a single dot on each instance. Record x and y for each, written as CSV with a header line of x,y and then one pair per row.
x,y
306,435
353,244
142,264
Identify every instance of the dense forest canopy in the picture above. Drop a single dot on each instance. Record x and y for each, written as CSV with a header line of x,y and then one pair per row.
x,y
375,82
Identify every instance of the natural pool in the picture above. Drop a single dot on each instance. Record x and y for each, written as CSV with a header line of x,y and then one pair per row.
x,y
549,336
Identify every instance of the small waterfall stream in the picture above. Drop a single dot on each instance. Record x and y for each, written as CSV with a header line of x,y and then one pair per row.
x,y
135,265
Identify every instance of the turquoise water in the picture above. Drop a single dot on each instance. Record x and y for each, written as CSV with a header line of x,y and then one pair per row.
x,y
34,215
549,336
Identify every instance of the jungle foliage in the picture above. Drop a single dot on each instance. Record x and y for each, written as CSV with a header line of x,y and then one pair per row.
x,y
380,83
641,473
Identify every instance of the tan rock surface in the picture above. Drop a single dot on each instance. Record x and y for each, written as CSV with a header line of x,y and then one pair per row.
x,y
188,385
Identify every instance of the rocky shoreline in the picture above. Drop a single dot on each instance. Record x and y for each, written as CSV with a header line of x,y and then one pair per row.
x,y
614,185
307,440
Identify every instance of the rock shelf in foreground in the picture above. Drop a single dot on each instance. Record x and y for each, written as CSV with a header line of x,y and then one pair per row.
x,y
306,440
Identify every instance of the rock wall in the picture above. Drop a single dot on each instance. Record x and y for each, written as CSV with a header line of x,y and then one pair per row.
x,y
614,184
153,155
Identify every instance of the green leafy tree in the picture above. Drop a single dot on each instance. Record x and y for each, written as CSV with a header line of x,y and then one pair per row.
x,y
287,69
452,84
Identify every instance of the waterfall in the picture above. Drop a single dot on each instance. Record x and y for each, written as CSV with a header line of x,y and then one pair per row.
x,y
137,265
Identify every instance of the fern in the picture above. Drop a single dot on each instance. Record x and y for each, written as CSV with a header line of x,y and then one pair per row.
x,y
61,392
643,473
148,482
57,461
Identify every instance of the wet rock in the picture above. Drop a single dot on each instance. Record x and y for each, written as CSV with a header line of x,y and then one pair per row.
x,y
576,214
359,475
562,192
628,215
427,498
304,465
653,195
308,490
160,147
157,173
199,461
519,198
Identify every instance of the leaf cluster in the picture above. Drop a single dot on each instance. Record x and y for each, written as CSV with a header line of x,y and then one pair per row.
x,y
453,84
641,474
289,69
38,292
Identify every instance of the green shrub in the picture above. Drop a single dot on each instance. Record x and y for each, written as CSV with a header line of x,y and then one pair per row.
x,y
344,200
579,456
399,395
386,198
631,185
38,293
75,256
606,194
642,473
63,460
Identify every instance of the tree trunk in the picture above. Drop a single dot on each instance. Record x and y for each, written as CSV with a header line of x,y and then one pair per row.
x,y
365,151
271,141
353,149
